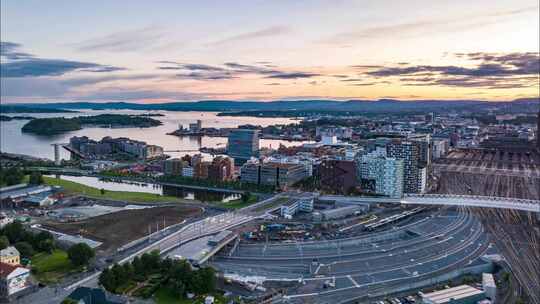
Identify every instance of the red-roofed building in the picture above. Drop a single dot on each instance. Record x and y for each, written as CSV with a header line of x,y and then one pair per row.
x,y
13,278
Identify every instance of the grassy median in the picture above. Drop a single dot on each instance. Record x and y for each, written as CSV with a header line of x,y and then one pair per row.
x,y
70,187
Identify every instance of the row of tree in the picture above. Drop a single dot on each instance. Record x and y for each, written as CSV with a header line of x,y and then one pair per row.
x,y
10,176
14,175
177,275
232,184
26,242
29,243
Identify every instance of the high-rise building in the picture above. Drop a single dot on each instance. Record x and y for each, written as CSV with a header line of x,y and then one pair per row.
x,y
338,175
243,144
385,175
409,152
424,143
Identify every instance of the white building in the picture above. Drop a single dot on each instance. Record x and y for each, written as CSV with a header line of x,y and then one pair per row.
x,y
386,174
187,171
329,140
439,148
422,180
13,278
488,284
304,204
458,294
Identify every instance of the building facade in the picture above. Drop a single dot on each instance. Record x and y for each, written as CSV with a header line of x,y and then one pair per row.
x,y
385,175
174,166
409,152
338,175
221,169
10,255
13,279
243,144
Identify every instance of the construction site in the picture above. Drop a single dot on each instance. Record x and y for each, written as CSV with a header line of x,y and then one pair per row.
x,y
511,173
115,224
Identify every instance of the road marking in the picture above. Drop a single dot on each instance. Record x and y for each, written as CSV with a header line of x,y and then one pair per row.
x,y
353,281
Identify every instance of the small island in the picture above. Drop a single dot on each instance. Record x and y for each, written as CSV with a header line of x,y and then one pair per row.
x,y
56,125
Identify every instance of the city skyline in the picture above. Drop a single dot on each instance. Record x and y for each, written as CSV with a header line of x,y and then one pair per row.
x,y
257,50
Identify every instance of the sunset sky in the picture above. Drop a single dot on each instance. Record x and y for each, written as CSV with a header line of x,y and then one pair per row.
x,y
159,51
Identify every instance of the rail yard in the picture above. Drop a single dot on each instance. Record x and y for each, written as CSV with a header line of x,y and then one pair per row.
x,y
515,233
418,250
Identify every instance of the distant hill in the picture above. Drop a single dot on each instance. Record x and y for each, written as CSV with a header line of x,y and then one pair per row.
x,y
31,109
368,106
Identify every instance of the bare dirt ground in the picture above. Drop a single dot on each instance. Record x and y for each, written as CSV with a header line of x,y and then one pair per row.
x,y
118,228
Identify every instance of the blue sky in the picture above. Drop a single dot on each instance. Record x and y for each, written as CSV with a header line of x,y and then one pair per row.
x,y
160,51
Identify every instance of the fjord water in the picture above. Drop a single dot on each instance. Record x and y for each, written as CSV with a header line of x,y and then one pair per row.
x,y
12,140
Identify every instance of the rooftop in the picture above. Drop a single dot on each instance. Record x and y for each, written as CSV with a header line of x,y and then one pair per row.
x,y
22,191
454,293
9,251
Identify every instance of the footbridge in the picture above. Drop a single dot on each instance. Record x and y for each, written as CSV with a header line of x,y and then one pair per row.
x,y
444,199
472,201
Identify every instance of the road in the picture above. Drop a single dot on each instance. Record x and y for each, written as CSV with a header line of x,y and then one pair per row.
x,y
421,250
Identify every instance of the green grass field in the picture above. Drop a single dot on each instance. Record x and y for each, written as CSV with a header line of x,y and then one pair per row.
x,y
50,268
137,197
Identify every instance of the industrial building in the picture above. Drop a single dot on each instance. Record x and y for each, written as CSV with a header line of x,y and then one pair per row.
x,y
341,212
23,194
463,294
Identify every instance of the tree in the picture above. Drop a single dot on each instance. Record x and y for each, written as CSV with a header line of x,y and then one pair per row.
x,y
69,301
108,280
43,241
102,191
14,232
36,178
4,242
25,249
11,176
47,245
177,287
245,197
150,262
80,254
